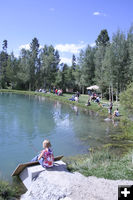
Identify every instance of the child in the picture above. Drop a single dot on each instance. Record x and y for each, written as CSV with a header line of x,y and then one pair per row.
x,y
88,103
98,101
46,158
116,113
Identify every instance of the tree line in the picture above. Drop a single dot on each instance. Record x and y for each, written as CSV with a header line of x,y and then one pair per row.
x,y
109,65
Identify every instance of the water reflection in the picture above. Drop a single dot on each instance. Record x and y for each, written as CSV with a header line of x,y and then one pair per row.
x,y
75,108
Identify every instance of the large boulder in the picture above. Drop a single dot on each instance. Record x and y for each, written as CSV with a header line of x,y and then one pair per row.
x,y
57,183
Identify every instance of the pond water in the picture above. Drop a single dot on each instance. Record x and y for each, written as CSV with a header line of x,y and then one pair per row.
x,y
25,121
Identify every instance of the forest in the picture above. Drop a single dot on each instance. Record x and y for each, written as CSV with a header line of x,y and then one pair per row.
x,y
109,65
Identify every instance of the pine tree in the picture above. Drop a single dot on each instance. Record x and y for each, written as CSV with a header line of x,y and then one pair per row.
x,y
34,51
3,64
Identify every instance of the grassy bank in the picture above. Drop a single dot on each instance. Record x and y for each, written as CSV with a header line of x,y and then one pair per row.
x,y
83,99
103,164
65,99
9,191
125,125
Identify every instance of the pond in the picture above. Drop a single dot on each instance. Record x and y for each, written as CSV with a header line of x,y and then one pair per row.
x,y
25,121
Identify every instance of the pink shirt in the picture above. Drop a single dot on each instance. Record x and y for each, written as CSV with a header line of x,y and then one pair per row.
x,y
48,158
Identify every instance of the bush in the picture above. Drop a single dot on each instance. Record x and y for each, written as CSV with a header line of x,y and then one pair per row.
x,y
8,191
126,98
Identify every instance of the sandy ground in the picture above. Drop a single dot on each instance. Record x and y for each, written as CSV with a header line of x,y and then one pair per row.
x,y
57,183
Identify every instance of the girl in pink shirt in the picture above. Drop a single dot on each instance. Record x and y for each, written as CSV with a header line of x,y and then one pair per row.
x,y
46,157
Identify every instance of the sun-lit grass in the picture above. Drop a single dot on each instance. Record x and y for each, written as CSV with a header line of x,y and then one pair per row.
x,y
103,164
83,99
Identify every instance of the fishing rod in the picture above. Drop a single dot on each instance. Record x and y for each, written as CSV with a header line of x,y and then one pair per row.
x,y
34,148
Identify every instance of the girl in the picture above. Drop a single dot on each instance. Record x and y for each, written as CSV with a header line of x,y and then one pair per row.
x,y
46,158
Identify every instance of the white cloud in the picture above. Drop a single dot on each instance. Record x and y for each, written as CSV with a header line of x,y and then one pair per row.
x,y
99,13
82,42
93,44
51,9
96,13
66,60
16,55
70,48
24,46
27,46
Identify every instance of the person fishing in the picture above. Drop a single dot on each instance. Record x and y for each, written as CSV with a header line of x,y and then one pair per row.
x,y
116,113
46,157
110,109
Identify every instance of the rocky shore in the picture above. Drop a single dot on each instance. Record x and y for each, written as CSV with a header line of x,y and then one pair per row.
x,y
58,183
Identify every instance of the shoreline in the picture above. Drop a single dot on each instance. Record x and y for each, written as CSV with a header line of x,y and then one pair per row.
x,y
94,163
52,96
125,124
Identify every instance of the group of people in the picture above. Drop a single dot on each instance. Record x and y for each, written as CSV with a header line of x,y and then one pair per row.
x,y
75,97
41,90
58,92
93,97
96,98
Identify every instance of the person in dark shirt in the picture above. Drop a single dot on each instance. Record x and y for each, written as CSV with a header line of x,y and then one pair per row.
x,y
110,109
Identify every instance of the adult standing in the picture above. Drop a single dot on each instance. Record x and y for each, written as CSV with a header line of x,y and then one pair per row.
x,y
54,89
110,108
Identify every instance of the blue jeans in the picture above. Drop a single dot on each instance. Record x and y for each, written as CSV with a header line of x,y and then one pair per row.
x,y
40,161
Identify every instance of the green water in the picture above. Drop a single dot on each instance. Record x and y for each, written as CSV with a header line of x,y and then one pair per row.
x,y
25,121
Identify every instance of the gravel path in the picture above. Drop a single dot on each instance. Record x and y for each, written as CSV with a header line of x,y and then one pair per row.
x,y
57,183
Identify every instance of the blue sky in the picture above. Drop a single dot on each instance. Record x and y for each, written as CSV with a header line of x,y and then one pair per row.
x,y
69,25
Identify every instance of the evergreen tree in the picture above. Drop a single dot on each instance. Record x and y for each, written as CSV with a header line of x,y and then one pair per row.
x,y
103,38
24,70
4,45
73,62
34,51
3,65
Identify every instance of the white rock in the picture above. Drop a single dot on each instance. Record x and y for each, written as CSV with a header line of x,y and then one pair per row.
x,y
57,183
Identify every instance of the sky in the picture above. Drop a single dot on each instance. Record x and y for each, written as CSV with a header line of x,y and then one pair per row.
x,y
69,25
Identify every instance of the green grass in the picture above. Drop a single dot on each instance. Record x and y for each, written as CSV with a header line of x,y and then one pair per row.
x,y
83,99
103,164
126,126
9,192
65,99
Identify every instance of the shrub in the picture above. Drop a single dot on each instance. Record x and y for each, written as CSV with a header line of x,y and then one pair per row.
x,y
8,191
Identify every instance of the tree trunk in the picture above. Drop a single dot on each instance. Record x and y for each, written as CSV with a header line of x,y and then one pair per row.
x,y
117,94
109,93
101,94
44,84
82,89
112,93
29,86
